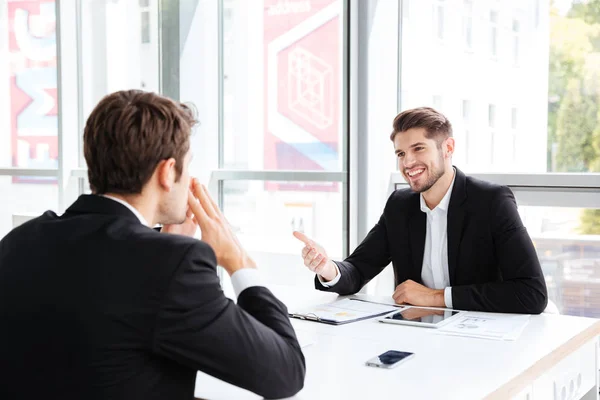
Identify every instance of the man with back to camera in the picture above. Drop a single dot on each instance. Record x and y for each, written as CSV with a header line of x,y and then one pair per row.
x,y
96,304
454,241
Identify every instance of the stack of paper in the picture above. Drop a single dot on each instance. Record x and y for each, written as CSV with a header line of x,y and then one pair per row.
x,y
487,326
343,311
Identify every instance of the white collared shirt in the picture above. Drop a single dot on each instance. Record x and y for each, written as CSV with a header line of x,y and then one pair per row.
x,y
435,272
241,280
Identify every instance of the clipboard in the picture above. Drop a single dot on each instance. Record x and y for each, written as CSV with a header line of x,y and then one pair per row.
x,y
343,311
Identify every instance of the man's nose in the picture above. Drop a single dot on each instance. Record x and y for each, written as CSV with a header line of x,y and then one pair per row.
x,y
408,161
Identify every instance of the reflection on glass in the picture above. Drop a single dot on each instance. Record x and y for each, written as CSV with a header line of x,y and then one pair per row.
x,y
28,66
282,85
567,241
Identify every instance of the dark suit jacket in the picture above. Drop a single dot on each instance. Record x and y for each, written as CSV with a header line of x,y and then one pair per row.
x,y
95,305
492,263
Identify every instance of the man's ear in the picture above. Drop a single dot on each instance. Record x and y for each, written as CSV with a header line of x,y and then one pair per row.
x,y
449,146
165,171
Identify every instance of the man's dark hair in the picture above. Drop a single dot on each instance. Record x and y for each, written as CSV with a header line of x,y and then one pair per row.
x,y
436,124
128,133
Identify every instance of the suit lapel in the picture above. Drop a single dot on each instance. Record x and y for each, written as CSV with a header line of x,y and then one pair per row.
x,y
417,225
456,217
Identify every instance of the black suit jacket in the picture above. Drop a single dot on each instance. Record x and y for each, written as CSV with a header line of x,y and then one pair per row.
x,y
492,263
95,305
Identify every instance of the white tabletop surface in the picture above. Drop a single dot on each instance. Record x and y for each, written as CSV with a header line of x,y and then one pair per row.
x,y
444,367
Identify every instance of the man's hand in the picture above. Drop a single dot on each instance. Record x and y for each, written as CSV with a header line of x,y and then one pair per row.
x,y
410,292
187,228
216,231
315,258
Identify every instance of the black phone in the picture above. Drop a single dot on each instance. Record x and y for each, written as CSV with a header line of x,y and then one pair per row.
x,y
390,359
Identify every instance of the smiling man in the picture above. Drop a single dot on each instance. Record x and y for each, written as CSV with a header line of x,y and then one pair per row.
x,y
454,241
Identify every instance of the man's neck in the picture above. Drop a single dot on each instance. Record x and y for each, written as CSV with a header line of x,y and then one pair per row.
x,y
137,202
436,193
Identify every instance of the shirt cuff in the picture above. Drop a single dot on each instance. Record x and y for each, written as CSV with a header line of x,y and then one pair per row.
x,y
244,278
448,297
334,280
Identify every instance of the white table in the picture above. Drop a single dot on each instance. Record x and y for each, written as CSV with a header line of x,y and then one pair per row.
x,y
554,356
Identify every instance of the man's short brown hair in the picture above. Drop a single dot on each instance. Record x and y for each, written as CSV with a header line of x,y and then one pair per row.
x,y
436,124
128,134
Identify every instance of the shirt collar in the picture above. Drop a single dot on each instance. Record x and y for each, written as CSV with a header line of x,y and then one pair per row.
x,y
445,200
130,207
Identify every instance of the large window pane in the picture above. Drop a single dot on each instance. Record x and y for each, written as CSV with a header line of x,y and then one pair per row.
x,y
282,85
264,215
537,60
28,85
119,48
568,245
28,108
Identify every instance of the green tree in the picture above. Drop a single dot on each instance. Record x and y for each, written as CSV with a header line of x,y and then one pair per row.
x,y
570,45
586,10
573,107
576,122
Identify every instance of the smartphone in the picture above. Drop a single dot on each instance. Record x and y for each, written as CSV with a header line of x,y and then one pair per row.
x,y
389,359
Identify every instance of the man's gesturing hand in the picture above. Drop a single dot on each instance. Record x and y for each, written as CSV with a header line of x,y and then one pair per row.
x,y
315,258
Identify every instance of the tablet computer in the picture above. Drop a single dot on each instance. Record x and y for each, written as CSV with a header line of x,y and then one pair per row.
x,y
421,316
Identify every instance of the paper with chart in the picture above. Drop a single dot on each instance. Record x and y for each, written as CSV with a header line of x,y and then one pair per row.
x,y
487,326
345,310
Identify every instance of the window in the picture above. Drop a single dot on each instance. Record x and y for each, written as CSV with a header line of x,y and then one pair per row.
x,y
28,110
515,132
466,119
145,21
492,116
265,213
494,33
282,111
282,98
437,102
492,127
569,255
466,111
438,17
468,23
516,41
101,46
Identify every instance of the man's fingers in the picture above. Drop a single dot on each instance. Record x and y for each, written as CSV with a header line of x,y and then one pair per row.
x,y
202,196
310,256
319,268
303,238
399,293
315,262
213,203
197,208
305,251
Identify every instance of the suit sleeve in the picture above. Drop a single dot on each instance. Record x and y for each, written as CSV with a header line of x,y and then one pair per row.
x,y
523,287
368,260
251,345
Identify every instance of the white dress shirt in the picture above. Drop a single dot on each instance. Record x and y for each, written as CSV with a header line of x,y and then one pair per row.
x,y
241,279
434,273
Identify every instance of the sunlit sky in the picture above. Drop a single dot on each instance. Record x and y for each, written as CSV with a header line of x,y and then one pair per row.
x,y
563,5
